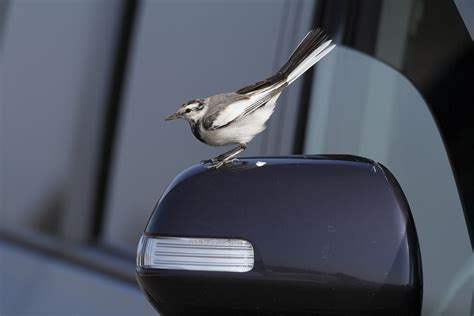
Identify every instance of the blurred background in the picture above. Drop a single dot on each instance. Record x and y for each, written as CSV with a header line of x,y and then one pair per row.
x,y
85,86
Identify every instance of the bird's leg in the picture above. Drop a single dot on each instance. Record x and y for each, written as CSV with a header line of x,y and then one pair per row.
x,y
230,157
222,156
226,157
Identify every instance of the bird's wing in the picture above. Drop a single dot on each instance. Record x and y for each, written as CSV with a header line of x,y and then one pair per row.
x,y
225,113
260,99
223,108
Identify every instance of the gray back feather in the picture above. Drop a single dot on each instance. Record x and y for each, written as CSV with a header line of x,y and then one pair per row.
x,y
217,103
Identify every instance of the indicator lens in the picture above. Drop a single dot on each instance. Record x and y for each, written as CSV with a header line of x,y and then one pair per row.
x,y
195,254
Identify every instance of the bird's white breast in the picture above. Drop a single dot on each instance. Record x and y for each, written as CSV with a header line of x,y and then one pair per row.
x,y
242,130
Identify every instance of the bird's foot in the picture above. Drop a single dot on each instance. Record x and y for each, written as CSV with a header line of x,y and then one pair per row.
x,y
206,161
213,163
216,165
219,163
225,158
213,160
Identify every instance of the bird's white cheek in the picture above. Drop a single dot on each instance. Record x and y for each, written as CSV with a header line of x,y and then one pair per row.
x,y
198,115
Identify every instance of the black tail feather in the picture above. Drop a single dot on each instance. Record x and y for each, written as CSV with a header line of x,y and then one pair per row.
x,y
312,41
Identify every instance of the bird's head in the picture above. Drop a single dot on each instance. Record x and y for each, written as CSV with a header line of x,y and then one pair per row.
x,y
191,111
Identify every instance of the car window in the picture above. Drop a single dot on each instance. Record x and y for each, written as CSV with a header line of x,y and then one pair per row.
x,y
364,107
168,68
53,99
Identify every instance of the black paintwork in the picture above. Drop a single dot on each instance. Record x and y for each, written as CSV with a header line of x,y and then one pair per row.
x,y
331,234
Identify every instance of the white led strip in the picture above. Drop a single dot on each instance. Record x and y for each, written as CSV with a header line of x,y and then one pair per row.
x,y
195,254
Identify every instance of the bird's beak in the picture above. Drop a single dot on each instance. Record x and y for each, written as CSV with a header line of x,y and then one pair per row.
x,y
172,117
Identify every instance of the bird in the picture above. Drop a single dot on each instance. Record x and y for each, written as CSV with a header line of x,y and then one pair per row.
x,y
235,118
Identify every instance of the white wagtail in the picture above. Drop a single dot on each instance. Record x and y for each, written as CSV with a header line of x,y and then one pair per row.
x,y
237,117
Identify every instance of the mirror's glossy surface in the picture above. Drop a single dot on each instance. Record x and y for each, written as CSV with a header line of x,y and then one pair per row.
x,y
330,233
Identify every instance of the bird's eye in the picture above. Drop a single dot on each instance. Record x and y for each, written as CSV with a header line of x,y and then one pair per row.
x,y
187,110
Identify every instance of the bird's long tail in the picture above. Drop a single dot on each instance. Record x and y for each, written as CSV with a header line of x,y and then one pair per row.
x,y
312,48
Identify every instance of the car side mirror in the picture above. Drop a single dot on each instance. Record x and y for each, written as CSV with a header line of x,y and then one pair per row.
x,y
304,234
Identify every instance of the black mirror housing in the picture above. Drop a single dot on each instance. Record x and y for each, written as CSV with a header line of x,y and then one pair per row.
x,y
330,235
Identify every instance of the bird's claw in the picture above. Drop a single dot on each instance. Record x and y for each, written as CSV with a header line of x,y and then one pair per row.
x,y
216,165
211,161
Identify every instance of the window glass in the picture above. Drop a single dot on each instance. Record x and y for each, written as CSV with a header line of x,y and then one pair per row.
x,y
363,107
428,42
56,64
183,50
